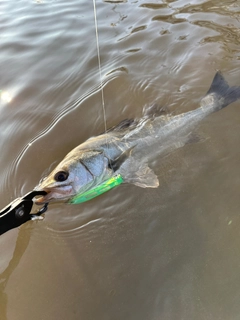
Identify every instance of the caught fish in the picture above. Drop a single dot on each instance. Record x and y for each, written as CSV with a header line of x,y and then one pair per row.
x,y
127,148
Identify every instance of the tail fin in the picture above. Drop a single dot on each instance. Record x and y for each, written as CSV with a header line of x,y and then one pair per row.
x,y
224,94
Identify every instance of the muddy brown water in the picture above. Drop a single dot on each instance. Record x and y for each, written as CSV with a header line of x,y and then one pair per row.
x,y
168,253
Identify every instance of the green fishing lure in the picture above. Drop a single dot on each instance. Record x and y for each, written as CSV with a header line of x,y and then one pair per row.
x,y
97,191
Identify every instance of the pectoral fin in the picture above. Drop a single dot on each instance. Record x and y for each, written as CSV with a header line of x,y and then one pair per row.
x,y
143,176
116,163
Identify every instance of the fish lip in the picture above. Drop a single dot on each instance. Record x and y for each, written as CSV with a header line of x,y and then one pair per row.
x,y
39,200
54,193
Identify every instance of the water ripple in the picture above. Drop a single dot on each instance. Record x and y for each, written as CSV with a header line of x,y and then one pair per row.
x,y
154,6
169,18
130,245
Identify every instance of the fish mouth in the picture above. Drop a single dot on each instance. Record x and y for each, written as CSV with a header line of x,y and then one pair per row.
x,y
54,194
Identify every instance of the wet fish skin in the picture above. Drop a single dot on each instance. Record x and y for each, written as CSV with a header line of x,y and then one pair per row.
x,y
128,147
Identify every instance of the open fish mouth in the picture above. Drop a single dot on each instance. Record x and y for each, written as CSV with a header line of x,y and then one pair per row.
x,y
57,193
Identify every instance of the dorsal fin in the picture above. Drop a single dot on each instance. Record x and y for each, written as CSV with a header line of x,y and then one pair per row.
x,y
124,124
154,111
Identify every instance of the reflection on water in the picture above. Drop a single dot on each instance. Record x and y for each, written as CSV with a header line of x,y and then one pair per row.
x,y
169,253
5,96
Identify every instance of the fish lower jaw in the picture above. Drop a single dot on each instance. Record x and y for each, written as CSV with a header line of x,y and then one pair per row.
x,y
55,194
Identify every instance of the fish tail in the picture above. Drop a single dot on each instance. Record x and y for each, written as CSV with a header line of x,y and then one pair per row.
x,y
221,93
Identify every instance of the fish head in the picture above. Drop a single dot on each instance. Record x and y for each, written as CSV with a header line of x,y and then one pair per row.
x,y
76,173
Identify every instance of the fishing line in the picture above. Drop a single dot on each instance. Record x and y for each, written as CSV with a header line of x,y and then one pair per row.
x,y
99,64
100,74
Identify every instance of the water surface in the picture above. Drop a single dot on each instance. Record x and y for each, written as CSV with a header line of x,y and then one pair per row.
x,y
170,253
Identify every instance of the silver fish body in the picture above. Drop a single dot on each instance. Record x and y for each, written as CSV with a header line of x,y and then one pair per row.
x,y
127,148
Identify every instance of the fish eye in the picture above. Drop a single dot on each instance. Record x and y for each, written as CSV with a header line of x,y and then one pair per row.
x,y
61,176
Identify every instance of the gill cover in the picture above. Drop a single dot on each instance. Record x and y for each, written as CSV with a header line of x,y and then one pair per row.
x,y
93,161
